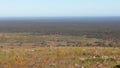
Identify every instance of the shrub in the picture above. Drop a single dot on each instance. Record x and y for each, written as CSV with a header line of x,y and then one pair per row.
x,y
116,66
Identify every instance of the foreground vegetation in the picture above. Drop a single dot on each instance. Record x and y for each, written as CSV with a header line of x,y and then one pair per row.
x,y
60,57
28,50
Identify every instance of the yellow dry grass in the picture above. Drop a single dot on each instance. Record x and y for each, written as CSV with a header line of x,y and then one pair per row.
x,y
60,57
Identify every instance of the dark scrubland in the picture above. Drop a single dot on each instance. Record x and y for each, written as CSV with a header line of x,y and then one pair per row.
x,y
104,29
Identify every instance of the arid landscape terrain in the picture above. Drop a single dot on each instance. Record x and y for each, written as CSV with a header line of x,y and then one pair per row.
x,y
60,57
60,43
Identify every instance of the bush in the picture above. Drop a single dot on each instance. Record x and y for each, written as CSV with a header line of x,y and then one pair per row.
x,y
116,66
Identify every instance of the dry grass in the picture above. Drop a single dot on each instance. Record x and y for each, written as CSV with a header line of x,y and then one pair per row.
x,y
60,57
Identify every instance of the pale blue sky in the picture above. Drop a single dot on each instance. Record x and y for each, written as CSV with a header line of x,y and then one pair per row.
x,y
43,8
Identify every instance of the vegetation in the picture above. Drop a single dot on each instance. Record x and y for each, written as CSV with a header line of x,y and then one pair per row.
x,y
105,28
60,57
28,39
60,43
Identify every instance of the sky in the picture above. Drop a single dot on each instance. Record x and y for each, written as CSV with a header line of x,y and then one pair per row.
x,y
49,8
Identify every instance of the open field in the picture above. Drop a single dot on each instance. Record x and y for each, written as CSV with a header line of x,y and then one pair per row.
x,y
26,50
60,57
60,42
27,39
11,40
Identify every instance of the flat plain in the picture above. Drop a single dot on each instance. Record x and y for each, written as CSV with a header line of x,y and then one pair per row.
x,y
60,43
